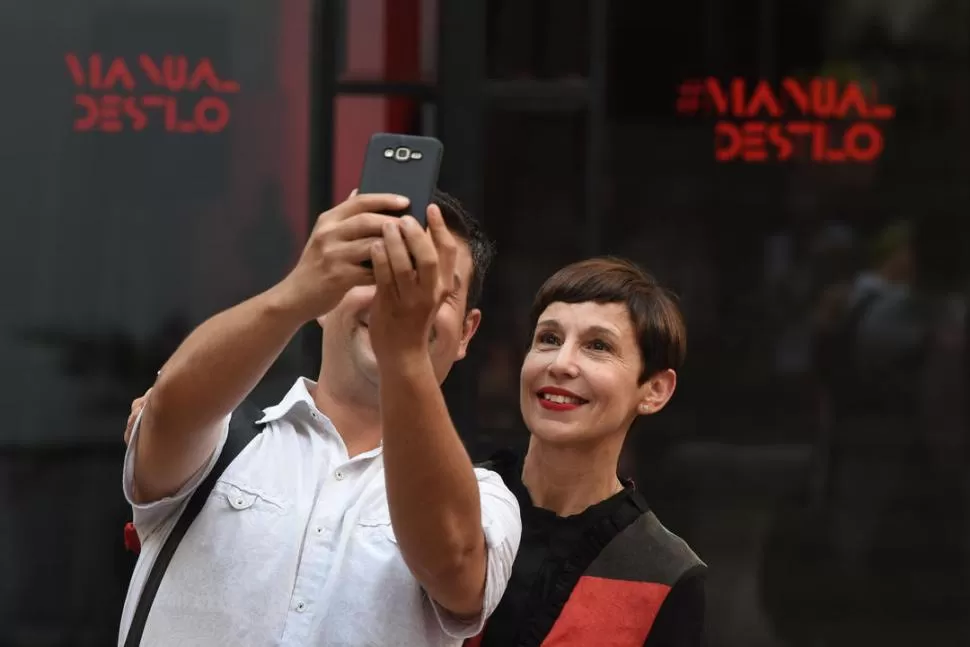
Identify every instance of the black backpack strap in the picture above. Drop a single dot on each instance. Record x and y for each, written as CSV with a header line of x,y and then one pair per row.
x,y
242,430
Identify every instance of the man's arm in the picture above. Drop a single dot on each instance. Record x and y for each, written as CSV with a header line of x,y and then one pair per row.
x,y
204,380
680,621
224,358
432,491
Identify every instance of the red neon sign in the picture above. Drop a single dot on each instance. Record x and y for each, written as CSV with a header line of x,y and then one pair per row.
x,y
752,125
109,103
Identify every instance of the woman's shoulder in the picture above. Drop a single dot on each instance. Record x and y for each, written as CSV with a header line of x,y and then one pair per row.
x,y
647,551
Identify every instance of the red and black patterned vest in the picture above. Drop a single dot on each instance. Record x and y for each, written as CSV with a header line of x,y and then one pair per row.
x,y
623,583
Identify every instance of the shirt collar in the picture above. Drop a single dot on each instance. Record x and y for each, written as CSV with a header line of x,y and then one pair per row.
x,y
298,396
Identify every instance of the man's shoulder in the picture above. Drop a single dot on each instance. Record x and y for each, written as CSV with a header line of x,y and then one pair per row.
x,y
492,477
504,463
496,490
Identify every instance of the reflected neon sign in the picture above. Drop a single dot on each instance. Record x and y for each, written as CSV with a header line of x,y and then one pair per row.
x,y
109,101
823,119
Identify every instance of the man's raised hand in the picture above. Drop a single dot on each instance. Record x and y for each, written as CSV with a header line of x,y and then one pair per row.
x,y
332,261
409,293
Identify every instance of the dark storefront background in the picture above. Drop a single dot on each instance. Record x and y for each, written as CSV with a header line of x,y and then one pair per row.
x,y
831,505
119,235
562,129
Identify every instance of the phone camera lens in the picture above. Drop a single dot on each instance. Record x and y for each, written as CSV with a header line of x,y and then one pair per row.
x,y
402,154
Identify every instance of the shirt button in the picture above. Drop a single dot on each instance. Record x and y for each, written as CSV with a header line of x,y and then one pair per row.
x,y
319,530
339,475
301,606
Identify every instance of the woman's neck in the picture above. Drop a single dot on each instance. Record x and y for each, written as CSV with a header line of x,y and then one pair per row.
x,y
567,480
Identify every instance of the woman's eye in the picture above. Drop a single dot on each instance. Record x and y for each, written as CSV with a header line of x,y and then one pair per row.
x,y
599,345
547,338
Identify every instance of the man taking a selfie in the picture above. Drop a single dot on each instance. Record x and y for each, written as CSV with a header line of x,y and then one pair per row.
x,y
355,517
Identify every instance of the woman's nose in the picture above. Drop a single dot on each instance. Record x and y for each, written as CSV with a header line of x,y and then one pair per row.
x,y
564,363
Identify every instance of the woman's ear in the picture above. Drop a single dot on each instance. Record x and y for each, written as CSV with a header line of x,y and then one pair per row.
x,y
657,391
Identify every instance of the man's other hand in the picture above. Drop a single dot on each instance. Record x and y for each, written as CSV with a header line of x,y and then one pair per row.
x,y
136,406
409,293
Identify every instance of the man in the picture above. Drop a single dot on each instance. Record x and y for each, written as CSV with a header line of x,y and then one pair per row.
x,y
355,517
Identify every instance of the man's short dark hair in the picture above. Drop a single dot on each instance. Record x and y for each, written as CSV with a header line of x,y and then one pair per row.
x,y
657,320
463,224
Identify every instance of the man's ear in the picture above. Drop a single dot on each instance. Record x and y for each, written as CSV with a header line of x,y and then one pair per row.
x,y
656,392
473,318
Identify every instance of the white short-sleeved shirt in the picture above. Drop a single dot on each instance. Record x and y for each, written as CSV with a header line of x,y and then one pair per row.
x,y
294,546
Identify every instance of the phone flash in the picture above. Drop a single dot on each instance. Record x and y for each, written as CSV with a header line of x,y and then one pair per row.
x,y
416,155
388,152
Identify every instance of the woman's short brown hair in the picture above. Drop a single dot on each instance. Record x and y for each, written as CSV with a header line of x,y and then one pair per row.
x,y
659,324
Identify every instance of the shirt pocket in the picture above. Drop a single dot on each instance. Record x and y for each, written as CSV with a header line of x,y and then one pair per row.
x,y
242,528
239,498
374,523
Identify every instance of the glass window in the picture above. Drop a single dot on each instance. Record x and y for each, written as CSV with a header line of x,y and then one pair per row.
x,y
388,41
155,172
819,431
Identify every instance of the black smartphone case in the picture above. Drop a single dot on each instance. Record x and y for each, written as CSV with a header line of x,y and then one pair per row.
x,y
403,164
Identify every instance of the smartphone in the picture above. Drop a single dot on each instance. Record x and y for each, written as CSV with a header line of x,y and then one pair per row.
x,y
405,165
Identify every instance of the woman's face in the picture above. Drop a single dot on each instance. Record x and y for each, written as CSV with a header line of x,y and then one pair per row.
x,y
579,379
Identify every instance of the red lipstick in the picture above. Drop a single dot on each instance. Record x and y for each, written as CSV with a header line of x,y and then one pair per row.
x,y
556,399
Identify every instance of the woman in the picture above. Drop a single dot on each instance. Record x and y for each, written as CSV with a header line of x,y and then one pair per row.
x,y
595,567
